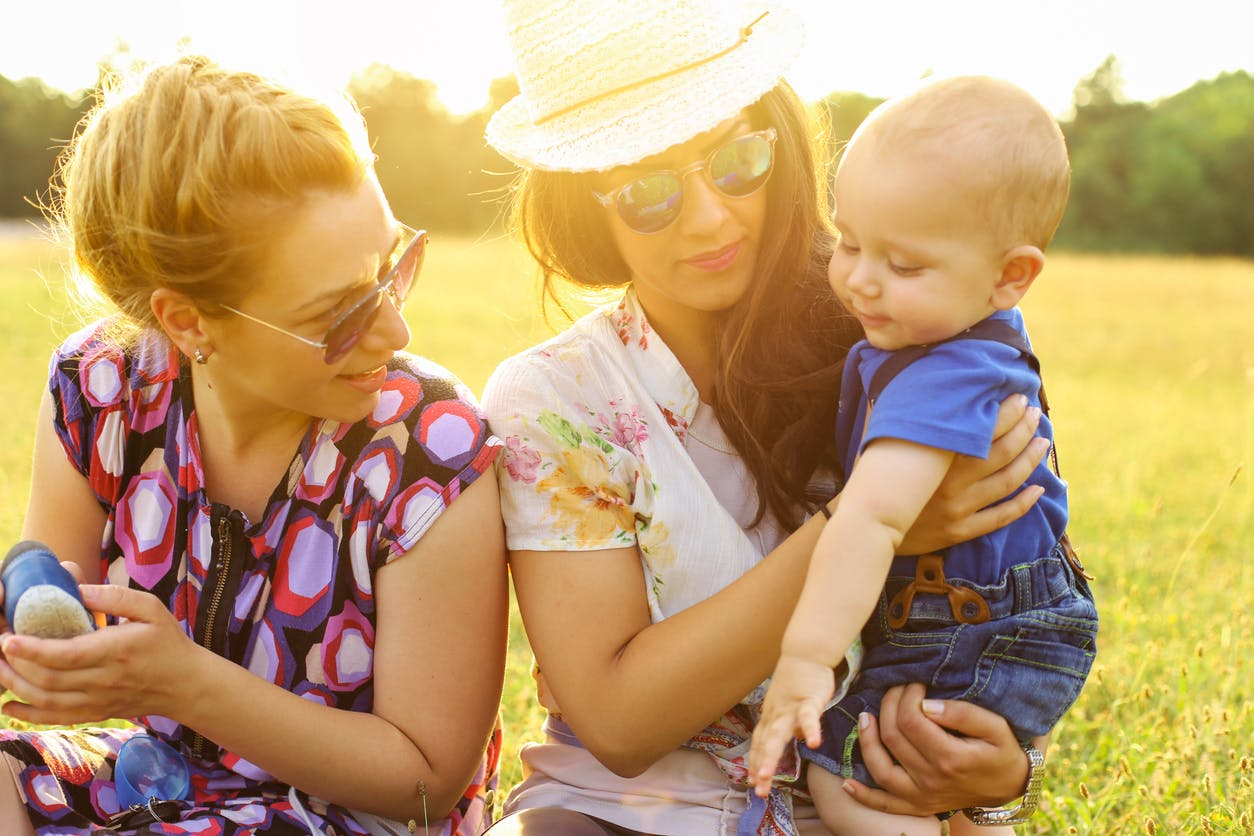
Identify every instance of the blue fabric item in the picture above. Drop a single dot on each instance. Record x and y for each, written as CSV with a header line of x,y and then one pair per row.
x,y
751,818
31,564
147,768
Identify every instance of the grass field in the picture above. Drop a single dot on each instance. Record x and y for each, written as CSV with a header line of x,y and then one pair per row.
x,y
1150,364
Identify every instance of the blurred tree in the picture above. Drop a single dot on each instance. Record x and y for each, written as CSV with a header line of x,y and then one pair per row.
x,y
1211,125
35,123
1168,177
1102,89
431,164
406,124
1171,176
843,113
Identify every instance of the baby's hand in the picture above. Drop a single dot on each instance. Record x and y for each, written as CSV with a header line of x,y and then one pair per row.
x,y
799,691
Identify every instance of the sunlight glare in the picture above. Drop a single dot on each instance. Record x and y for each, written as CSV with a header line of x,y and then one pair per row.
x,y
879,49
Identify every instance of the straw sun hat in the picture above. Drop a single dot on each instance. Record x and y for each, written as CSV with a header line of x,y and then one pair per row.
x,y
606,83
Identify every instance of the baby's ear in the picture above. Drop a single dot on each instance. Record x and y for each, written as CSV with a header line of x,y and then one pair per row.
x,y
1020,267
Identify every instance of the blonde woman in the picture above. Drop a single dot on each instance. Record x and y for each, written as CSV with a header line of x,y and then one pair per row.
x,y
664,453
280,513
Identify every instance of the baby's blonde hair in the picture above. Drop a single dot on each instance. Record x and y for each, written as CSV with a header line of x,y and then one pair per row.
x,y
1014,161
181,177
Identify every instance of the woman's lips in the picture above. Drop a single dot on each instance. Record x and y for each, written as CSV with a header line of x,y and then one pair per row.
x,y
715,260
367,381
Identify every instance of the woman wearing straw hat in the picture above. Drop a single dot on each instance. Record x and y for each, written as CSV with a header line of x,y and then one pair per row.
x,y
661,453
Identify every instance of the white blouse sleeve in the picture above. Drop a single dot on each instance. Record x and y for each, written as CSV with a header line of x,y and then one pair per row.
x,y
567,482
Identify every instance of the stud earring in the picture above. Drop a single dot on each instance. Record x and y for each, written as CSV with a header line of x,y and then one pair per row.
x,y
200,357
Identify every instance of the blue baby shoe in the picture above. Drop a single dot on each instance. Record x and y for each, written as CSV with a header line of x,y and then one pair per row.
x,y
41,597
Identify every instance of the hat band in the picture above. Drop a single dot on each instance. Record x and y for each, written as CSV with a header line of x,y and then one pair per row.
x,y
745,32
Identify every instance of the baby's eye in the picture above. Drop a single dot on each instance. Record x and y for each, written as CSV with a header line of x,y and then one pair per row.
x,y
903,270
845,244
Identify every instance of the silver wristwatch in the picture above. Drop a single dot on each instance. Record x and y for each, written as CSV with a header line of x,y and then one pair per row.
x,y
1027,805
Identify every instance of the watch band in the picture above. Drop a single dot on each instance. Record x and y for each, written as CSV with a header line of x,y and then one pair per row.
x,y
1026,806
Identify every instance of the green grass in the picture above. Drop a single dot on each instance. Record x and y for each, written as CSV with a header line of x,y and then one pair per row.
x,y
1150,366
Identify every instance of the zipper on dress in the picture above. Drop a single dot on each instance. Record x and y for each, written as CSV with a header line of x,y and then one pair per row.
x,y
220,573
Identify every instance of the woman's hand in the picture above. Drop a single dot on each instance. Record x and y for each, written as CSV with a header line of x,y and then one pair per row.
x,y
961,508
139,666
948,755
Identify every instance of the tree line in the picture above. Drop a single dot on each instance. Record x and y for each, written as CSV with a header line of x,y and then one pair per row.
x,y
1172,176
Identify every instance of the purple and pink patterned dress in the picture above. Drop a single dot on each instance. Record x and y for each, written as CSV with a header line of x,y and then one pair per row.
x,y
289,596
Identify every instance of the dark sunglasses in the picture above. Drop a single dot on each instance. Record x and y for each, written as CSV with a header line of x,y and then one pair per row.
x,y
651,203
348,327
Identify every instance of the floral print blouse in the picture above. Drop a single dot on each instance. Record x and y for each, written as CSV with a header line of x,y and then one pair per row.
x,y
595,424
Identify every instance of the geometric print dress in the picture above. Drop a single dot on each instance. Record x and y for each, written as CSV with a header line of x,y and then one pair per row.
x,y
289,596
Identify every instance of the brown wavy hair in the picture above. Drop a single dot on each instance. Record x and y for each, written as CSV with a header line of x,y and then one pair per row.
x,y
181,176
781,345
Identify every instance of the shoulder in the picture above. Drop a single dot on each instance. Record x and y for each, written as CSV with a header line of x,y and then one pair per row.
x,y
999,364
105,374
425,443
422,381
423,401
426,435
561,368
971,355
111,403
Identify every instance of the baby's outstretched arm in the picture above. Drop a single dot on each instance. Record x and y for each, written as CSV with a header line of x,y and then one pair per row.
x,y
891,483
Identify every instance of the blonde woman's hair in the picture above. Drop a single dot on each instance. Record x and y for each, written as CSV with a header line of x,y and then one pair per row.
x,y
181,177
1003,146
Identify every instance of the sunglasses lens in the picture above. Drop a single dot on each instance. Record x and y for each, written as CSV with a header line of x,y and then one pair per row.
x,y
741,166
407,269
650,203
346,333
738,169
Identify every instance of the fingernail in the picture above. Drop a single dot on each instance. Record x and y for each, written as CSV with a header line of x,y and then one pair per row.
x,y
847,787
1034,415
864,720
933,708
1021,400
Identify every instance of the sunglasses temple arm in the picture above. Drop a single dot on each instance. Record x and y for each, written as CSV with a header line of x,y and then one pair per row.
x,y
251,318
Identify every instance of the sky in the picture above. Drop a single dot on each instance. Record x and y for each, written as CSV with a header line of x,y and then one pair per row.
x,y
877,47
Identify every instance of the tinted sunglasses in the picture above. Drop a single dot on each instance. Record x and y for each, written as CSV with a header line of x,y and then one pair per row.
x,y
651,203
348,327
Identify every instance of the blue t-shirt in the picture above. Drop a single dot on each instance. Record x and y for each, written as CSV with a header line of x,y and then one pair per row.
x,y
948,399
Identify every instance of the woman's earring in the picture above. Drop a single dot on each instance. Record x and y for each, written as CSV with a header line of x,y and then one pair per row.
x,y
200,357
